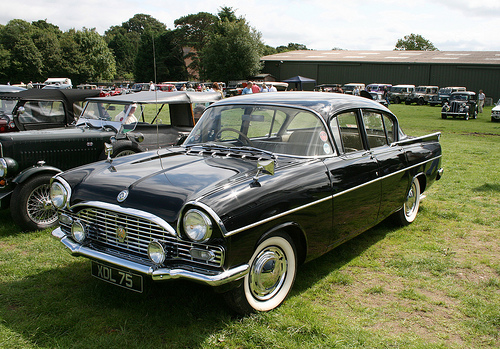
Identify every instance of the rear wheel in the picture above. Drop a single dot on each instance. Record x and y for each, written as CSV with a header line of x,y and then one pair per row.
x,y
273,267
30,205
408,212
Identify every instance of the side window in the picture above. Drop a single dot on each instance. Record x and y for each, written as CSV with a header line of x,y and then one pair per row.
x,y
374,127
379,128
40,112
349,131
389,128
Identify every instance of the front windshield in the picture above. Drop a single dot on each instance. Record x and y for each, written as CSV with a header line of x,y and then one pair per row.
x,y
420,89
280,130
458,97
445,91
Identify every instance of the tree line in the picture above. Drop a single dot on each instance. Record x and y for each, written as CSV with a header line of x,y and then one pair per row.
x,y
222,47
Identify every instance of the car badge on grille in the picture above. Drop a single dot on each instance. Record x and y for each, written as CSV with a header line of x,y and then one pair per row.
x,y
121,234
122,196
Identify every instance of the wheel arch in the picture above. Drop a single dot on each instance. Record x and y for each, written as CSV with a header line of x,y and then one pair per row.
x,y
297,235
32,171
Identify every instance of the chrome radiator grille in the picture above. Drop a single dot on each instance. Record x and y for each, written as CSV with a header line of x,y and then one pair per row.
x,y
103,226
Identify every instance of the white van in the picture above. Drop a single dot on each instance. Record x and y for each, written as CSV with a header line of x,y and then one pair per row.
x,y
59,81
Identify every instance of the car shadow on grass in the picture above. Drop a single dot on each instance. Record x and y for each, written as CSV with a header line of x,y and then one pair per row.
x,y
310,273
62,305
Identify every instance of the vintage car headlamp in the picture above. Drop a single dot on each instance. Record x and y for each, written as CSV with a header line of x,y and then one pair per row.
x,y
8,165
78,231
197,225
58,194
3,167
156,252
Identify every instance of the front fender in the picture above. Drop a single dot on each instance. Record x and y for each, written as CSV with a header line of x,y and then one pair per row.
x,y
31,171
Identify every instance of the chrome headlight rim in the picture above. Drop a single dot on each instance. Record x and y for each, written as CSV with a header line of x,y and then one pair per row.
x,y
78,232
156,252
197,225
67,190
58,195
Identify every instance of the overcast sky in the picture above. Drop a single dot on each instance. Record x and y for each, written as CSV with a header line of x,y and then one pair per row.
x,y
451,25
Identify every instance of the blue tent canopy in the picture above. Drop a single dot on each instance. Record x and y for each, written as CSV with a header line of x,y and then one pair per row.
x,y
299,80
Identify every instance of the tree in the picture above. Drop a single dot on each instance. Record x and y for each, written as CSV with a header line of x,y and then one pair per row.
x,y
414,42
232,52
87,56
291,47
193,31
125,40
25,60
169,59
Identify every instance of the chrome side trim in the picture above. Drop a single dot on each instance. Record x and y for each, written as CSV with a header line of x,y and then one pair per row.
x,y
239,230
130,211
159,274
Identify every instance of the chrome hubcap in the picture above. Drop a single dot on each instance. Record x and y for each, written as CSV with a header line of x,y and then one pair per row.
x,y
411,200
268,273
39,206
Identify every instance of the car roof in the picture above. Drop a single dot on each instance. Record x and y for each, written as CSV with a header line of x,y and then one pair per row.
x,y
324,103
155,97
69,96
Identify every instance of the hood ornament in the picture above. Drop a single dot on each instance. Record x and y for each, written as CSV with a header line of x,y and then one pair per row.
x,y
122,196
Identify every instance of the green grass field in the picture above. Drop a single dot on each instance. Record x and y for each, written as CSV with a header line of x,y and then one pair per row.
x,y
433,284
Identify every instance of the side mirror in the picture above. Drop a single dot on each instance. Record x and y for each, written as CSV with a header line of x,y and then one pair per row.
x,y
265,167
21,110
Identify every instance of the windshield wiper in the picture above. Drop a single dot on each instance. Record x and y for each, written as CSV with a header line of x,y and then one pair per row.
x,y
253,149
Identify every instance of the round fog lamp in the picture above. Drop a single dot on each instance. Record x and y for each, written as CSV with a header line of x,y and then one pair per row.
x,y
78,232
156,252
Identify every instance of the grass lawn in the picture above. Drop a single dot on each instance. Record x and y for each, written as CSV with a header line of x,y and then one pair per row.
x,y
433,284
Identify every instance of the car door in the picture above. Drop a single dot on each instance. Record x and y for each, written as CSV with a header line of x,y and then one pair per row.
x,y
354,178
381,131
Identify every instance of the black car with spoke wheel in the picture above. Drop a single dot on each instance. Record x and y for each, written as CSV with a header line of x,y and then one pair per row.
x,y
28,159
263,183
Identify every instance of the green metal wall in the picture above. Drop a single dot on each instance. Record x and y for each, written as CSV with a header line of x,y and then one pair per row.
x,y
474,77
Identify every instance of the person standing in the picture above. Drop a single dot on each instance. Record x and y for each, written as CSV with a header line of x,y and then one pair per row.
x,y
480,101
247,89
255,88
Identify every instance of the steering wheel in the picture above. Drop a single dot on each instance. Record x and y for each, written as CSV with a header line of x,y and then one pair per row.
x,y
243,136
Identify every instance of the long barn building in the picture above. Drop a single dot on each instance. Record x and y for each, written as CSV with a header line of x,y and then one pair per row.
x,y
473,69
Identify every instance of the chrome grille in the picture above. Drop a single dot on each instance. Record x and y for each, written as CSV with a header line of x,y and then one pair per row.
x,y
102,226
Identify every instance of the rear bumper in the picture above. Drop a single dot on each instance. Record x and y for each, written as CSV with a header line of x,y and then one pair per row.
x,y
157,274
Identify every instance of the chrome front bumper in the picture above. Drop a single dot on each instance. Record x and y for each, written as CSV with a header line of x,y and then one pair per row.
x,y
157,274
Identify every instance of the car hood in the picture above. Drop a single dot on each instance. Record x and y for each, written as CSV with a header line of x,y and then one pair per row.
x,y
158,182
496,108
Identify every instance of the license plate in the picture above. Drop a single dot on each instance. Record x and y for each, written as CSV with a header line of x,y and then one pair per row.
x,y
119,277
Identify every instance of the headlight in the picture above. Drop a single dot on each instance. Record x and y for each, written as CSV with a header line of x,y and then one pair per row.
x,y
197,225
156,252
8,166
3,167
58,194
78,231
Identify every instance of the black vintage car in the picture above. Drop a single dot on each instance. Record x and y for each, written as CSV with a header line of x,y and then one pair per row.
x,y
263,183
29,159
461,104
37,109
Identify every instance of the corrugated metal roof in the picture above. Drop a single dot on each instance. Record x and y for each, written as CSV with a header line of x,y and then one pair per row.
x,y
454,57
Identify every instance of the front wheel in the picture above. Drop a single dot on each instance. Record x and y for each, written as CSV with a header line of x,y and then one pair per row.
x,y
273,267
30,205
408,212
